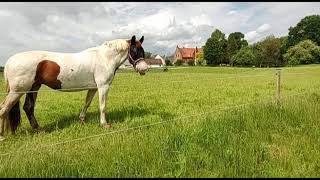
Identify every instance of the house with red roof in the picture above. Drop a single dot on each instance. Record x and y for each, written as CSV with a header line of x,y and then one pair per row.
x,y
158,61
152,62
185,54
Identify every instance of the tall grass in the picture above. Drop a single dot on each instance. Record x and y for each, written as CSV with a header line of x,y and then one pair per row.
x,y
262,139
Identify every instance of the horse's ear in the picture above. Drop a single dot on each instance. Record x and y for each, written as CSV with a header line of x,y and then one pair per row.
x,y
133,39
141,40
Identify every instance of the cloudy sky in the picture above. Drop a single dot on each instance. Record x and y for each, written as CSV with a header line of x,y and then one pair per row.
x,y
75,26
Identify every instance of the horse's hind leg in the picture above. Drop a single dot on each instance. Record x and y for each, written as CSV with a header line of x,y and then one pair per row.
x,y
2,122
29,105
10,101
90,95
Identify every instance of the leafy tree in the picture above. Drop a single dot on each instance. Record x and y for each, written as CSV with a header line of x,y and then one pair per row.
x,y
307,28
235,42
168,62
312,48
199,57
305,52
191,62
284,43
244,57
147,54
283,48
270,51
256,49
179,62
215,47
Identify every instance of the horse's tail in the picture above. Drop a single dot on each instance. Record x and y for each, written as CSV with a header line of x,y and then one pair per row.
x,y
14,113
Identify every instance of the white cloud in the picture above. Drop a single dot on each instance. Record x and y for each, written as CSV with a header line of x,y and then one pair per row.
x,y
264,28
256,35
156,21
232,12
251,36
203,19
5,13
165,44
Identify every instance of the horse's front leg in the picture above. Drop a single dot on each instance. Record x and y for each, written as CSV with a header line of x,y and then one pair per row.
x,y
89,99
103,92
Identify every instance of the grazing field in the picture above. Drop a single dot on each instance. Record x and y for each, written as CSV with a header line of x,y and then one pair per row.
x,y
204,122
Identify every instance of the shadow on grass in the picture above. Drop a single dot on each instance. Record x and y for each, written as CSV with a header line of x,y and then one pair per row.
x,y
113,116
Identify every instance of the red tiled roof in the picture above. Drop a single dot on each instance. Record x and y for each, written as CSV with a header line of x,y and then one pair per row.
x,y
188,52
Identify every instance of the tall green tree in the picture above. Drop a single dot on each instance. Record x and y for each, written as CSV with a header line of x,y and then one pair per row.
x,y
283,49
235,42
284,44
256,48
270,51
307,28
215,48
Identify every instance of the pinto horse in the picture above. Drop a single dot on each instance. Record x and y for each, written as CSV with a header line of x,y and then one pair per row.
x,y
93,67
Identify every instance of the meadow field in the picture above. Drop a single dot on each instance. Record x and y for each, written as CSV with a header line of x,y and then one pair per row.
x,y
186,122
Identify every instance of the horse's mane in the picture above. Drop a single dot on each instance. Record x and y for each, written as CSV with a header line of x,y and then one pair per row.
x,y
118,44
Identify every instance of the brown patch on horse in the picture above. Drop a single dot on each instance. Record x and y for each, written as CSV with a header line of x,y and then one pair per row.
x,y
47,73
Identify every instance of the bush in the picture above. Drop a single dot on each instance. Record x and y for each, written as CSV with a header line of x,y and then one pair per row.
x,y
200,60
243,57
179,62
191,62
168,62
305,52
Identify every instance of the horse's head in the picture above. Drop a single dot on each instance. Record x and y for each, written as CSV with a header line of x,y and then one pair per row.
x,y
136,55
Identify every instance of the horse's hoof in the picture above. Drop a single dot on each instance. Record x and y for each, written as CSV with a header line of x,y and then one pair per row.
x,y
106,125
2,138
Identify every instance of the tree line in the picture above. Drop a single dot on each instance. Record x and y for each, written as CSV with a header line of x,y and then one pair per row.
x,y
300,46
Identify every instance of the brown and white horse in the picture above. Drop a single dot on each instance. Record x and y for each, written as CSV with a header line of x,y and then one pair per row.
x,y
93,67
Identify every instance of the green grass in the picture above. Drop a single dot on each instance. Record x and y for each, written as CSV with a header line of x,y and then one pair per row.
x,y
202,134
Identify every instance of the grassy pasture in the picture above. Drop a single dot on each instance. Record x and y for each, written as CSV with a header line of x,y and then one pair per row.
x,y
204,130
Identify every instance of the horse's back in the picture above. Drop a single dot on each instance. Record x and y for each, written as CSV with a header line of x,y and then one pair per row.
x,y
56,70
21,68
25,63
29,58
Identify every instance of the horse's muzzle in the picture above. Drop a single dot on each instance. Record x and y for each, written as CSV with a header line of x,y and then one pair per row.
x,y
141,67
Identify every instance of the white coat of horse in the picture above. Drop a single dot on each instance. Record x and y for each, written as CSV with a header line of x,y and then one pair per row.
x,y
93,67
